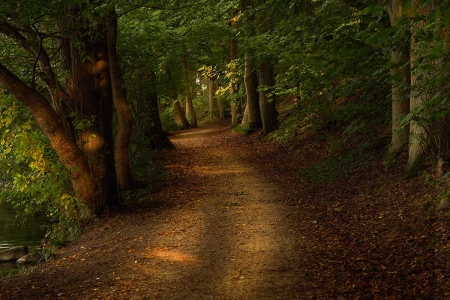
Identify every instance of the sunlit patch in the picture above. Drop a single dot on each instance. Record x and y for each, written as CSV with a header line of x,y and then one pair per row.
x,y
223,172
195,132
92,142
172,256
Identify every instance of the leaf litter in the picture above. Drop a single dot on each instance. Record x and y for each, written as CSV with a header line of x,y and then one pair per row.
x,y
237,220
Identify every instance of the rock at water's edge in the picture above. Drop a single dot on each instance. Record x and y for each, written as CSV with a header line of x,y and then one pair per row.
x,y
32,258
13,254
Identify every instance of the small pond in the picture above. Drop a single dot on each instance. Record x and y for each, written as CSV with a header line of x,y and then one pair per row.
x,y
16,231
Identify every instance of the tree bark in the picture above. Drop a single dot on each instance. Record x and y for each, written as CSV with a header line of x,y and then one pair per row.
x,y
124,118
400,88
189,104
266,99
61,100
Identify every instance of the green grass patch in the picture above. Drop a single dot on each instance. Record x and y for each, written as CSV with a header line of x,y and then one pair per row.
x,y
10,272
242,129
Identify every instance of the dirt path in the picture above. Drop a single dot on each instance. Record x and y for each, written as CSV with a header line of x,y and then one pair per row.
x,y
240,240
234,221
219,229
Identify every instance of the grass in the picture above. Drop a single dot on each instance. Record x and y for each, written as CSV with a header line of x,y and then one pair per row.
x,y
10,272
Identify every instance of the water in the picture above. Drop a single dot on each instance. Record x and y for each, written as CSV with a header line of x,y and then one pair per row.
x,y
17,232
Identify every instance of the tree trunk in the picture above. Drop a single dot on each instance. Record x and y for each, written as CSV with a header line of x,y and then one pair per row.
x,y
90,88
236,107
418,136
212,88
220,104
179,111
124,118
400,88
187,89
103,85
266,99
155,131
89,136
245,115
70,155
251,89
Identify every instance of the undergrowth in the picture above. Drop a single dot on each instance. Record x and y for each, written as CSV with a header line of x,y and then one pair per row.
x,y
167,121
337,166
10,272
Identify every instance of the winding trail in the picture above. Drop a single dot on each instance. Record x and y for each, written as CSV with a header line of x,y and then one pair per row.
x,y
220,228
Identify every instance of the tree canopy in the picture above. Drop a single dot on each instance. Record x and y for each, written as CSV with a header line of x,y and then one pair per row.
x,y
88,88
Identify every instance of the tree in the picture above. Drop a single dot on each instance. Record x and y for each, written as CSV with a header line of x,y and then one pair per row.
x,y
401,86
267,100
188,93
418,135
67,150
124,128
236,106
77,116
212,89
154,130
251,87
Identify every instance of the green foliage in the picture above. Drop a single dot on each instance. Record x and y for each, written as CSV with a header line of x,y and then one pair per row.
x,y
168,123
33,179
242,129
11,272
295,122
336,77
201,107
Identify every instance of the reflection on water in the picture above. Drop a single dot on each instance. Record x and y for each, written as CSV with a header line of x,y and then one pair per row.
x,y
17,232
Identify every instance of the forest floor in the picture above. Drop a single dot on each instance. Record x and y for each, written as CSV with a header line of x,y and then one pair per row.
x,y
236,220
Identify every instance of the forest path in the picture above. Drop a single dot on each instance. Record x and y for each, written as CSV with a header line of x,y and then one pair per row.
x,y
235,220
219,228
237,233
